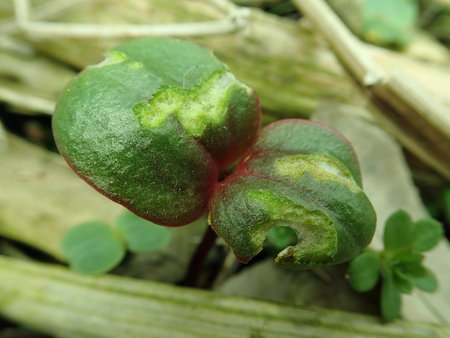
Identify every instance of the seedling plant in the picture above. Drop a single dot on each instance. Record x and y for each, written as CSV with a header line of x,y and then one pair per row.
x,y
164,128
400,265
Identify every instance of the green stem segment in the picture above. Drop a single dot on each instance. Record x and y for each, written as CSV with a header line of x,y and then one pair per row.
x,y
64,304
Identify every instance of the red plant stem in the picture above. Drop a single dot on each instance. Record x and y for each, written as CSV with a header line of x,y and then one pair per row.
x,y
198,259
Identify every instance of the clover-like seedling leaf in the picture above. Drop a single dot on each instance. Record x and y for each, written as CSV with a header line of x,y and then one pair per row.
x,y
302,175
401,262
141,235
399,231
411,270
427,234
92,248
364,271
153,125
405,256
428,282
391,301
408,264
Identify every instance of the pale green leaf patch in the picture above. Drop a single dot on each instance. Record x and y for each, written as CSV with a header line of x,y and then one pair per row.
x,y
317,238
196,108
322,167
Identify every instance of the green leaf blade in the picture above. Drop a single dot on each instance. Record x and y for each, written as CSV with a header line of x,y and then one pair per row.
x,y
411,269
391,301
399,231
364,271
403,283
92,248
427,283
427,234
141,235
405,257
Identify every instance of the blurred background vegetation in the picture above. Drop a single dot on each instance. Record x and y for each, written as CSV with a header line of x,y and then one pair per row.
x,y
273,46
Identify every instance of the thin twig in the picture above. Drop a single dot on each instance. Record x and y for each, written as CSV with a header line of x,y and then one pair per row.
x,y
55,29
40,12
21,10
347,47
234,21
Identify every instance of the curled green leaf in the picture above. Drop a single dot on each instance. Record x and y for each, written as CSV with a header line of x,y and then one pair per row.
x,y
302,175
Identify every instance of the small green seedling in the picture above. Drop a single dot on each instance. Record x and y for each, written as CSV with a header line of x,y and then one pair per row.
x,y
400,264
159,126
95,247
